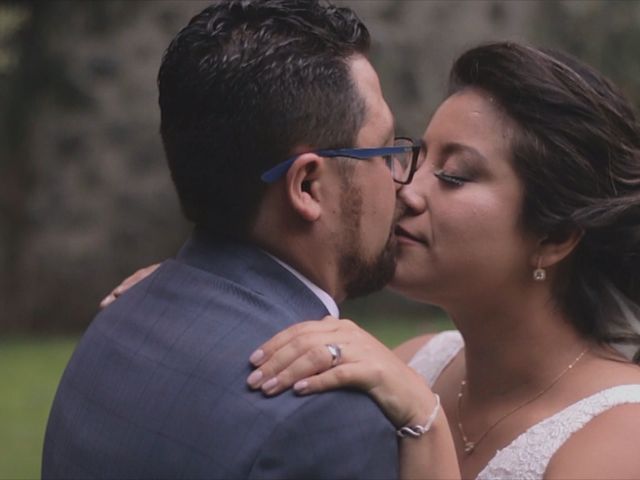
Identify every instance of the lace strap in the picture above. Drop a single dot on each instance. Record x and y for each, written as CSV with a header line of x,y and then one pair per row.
x,y
436,354
530,453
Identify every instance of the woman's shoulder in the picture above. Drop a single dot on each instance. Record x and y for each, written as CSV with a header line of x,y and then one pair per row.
x,y
576,441
431,355
407,350
603,444
606,447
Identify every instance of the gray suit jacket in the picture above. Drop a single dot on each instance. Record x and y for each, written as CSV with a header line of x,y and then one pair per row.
x,y
156,387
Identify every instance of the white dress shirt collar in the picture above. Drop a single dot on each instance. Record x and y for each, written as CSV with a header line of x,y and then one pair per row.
x,y
324,297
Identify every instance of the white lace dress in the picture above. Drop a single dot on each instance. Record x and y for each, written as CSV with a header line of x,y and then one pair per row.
x,y
529,454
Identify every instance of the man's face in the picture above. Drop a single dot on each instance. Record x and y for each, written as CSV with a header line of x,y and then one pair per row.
x,y
367,242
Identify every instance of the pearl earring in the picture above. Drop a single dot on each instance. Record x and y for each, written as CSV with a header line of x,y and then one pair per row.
x,y
539,274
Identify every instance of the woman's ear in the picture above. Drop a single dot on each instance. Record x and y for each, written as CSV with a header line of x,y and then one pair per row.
x,y
552,249
303,186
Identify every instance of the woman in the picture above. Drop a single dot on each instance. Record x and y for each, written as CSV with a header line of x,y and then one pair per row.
x,y
523,223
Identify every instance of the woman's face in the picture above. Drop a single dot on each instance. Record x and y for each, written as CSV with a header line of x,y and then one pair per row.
x,y
460,239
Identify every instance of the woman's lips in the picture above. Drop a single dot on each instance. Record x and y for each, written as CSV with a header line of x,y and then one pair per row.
x,y
404,236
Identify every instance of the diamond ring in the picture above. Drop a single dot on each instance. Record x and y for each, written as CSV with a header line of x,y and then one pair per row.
x,y
336,353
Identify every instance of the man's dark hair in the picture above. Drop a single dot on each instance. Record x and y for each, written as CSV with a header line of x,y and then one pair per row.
x,y
243,85
577,151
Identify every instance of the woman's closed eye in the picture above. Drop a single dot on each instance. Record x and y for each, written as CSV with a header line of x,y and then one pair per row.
x,y
454,180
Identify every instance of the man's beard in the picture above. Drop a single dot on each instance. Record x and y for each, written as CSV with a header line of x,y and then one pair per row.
x,y
362,275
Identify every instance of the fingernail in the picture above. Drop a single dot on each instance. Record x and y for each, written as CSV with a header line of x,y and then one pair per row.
x,y
270,384
256,356
107,300
300,386
254,378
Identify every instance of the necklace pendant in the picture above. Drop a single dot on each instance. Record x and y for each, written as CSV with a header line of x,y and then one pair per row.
x,y
469,447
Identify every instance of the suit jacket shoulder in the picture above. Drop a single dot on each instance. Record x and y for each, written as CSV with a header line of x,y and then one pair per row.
x,y
157,386
337,434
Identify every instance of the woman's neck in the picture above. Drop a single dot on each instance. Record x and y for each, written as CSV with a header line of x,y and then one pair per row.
x,y
517,349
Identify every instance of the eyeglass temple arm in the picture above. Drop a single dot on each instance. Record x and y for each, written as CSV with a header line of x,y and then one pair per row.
x,y
278,171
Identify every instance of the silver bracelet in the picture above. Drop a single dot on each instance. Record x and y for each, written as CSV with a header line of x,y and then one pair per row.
x,y
416,431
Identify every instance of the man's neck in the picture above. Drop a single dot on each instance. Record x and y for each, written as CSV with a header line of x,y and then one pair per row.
x,y
320,270
326,299
306,246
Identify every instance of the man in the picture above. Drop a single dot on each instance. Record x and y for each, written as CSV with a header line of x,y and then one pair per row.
x,y
249,92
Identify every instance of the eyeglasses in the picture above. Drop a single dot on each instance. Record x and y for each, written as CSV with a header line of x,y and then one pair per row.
x,y
401,159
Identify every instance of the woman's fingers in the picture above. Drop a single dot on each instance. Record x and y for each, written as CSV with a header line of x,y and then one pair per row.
x,y
127,283
138,276
314,353
304,362
289,335
315,360
347,375
304,355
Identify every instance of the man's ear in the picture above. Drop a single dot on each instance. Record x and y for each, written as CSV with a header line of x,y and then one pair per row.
x,y
552,249
303,185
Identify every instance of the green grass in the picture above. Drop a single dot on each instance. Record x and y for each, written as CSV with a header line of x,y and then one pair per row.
x,y
30,369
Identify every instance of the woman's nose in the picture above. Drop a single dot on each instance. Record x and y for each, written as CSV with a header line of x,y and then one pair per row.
x,y
413,198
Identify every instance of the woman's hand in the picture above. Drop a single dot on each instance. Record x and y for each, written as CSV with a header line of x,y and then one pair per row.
x,y
127,283
299,357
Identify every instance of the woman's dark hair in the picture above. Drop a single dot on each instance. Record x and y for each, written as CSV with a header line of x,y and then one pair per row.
x,y
242,85
577,151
